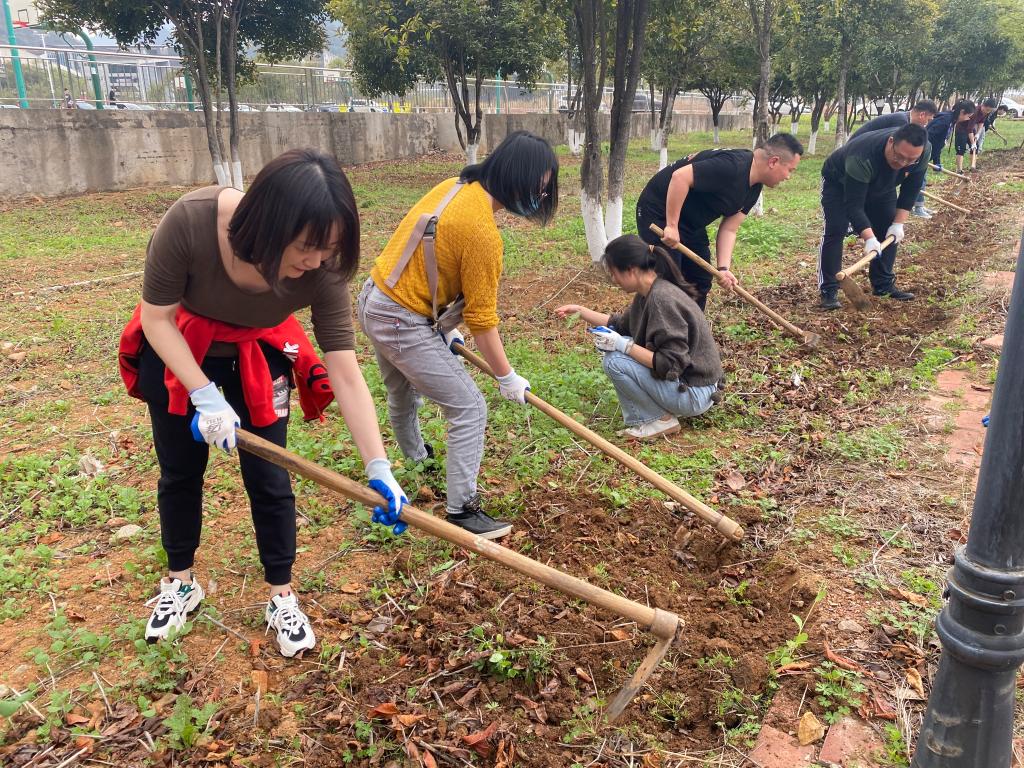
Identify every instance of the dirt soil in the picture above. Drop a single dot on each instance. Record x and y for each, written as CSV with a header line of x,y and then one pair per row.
x,y
419,637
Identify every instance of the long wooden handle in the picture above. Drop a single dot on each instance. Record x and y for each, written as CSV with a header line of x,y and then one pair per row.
x,y
934,167
859,265
931,196
724,525
789,327
661,623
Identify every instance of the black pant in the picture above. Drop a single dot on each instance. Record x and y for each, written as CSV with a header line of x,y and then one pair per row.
x,y
696,242
183,462
880,211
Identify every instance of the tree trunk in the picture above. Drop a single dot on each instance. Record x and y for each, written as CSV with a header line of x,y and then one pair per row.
x,y
844,68
588,20
237,180
762,20
630,26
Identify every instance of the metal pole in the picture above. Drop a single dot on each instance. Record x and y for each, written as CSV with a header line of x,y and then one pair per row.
x,y
19,78
969,722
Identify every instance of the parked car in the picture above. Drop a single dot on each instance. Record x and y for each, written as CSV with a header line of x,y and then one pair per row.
x,y
282,108
85,104
326,108
1015,108
9,106
641,102
132,105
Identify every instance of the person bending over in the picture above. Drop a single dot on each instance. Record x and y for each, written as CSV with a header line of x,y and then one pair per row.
x,y
440,268
214,345
659,353
684,198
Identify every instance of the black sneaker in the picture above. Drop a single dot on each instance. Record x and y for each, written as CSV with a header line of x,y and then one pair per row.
x,y
895,293
473,519
830,299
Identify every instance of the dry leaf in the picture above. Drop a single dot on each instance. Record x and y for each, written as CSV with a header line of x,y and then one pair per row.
x,y
479,741
620,634
408,720
913,598
735,480
428,760
652,760
361,617
17,357
73,718
810,729
914,678
582,675
387,709
351,588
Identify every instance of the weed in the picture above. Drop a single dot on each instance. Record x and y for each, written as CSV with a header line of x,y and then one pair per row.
x,y
737,594
187,725
787,653
895,747
837,690
506,662
927,368
670,707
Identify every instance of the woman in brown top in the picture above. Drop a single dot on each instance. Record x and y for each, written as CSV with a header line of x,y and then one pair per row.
x,y
224,271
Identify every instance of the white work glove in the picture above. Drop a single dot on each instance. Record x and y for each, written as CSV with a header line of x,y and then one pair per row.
x,y
384,483
453,337
895,230
872,244
215,421
512,386
607,340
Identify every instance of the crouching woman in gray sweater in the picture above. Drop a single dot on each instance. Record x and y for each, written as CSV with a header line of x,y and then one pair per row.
x,y
659,353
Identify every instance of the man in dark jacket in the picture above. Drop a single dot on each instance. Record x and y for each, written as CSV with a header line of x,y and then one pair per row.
x,y
859,182
684,198
920,114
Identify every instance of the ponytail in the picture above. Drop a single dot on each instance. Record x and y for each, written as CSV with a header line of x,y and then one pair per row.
x,y
629,251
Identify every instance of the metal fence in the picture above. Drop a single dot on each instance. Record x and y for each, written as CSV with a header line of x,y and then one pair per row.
x,y
142,81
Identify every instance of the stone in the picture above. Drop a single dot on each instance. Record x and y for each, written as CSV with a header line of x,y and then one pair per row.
x,y
126,532
852,744
810,729
994,342
775,749
849,625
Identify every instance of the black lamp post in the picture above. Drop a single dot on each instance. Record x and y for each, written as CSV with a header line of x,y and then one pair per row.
x,y
969,722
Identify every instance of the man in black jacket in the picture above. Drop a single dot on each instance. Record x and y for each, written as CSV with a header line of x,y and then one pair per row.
x,y
920,114
859,182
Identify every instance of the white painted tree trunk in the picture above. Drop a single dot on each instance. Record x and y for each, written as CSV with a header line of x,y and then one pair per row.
x,y
574,139
220,170
714,133
236,175
471,150
593,225
827,128
812,143
662,158
794,128
656,139
613,218
758,209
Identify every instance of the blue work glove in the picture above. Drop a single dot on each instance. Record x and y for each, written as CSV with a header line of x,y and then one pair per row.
x,y
384,483
453,337
512,386
215,421
607,340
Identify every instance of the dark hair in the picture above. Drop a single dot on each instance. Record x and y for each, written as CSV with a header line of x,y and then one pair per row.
x,y
782,144
513,174
964,105
927,106
911,133
1003,108
990,102
628,251
300,191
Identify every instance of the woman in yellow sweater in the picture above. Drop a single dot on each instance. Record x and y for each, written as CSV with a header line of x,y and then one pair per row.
x,y
441,267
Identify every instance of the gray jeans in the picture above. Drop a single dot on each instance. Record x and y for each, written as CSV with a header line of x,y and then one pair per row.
x,y
414,361
644,398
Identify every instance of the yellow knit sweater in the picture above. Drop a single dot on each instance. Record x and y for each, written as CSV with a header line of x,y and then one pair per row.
x,y
468,248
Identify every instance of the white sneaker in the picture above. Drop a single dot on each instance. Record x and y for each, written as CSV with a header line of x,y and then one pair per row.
x,y
649,430
294,633
920,212
173,605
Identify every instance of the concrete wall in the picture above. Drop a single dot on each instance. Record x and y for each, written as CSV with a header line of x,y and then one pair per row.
x,y
55,152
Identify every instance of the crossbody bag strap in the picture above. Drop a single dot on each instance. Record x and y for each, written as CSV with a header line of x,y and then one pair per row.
x,y
424,231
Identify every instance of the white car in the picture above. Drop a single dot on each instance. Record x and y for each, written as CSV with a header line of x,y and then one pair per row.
x,y
282,108
1015,108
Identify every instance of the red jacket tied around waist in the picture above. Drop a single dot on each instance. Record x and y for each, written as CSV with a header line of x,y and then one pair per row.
x,y
308,372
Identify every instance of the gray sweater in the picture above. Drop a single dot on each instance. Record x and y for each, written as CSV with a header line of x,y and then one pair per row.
x,y
671,325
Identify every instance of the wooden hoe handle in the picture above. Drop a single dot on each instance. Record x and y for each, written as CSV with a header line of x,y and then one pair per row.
x,y
748,297
859,265
727,527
